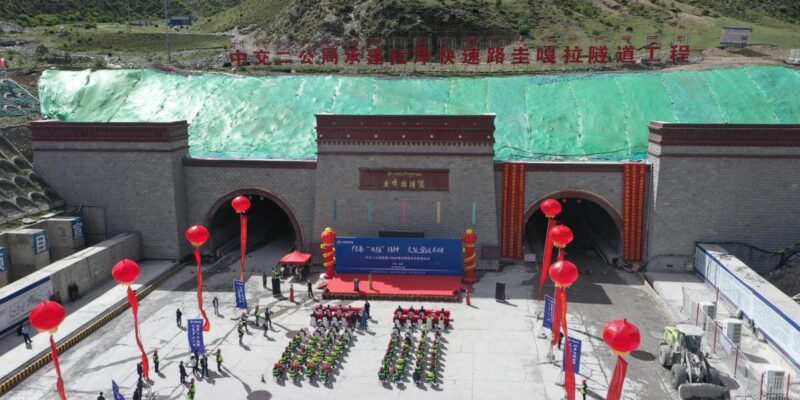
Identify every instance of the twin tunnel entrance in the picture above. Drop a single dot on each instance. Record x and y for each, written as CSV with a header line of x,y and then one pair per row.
x,y
596,224
268,219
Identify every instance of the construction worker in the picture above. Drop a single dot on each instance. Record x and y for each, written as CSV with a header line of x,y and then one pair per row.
x,y
219,360
155,359
584,389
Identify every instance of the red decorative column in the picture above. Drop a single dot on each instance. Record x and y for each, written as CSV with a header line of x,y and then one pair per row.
x,y
469,239
329,252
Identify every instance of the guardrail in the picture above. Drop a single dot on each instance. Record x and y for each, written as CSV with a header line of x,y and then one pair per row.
x,y
13,379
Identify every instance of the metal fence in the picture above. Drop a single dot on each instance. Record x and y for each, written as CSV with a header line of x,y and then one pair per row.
x,y
751,382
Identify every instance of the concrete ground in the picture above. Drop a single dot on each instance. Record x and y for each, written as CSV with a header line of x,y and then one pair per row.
x,y
14,354
492,350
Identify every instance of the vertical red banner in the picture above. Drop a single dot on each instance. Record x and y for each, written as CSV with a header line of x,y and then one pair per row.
x,y
634,182
243,243
617,380
513,213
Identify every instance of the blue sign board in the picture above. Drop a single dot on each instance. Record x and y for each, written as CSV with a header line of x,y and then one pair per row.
x,y
40,243
401,256
3,260
241,299
115,391
575,349
195,329
549,307
77,228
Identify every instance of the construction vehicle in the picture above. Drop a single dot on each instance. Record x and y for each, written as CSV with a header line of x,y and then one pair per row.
x,y
693,377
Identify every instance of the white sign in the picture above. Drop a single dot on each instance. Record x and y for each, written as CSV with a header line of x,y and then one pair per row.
x,y
16,306
529,257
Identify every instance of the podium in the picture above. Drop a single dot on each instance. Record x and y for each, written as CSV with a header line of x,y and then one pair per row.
x,y
276,287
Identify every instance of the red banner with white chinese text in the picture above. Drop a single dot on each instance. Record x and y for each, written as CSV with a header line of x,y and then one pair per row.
x,y
513,213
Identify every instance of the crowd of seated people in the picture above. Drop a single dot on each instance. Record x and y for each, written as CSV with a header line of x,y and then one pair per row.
x,y
410,317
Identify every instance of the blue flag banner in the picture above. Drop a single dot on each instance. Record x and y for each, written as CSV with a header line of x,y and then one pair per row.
x,y
400,256
115,391
241,298
549,307
195,329
575,349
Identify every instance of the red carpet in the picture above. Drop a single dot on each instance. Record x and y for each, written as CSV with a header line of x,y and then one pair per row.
x,y
395,287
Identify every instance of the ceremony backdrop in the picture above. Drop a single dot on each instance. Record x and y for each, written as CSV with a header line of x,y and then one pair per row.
x,y
402,256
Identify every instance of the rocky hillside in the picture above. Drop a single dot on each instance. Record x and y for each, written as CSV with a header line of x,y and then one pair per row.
x,y
315,19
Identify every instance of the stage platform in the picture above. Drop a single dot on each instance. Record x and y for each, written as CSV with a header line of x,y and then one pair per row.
x,y
395,287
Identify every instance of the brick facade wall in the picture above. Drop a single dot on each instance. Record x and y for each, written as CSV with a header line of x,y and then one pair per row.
x,y
723,193
140,190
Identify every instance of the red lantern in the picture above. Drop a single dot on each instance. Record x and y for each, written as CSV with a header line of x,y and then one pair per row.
x,y
46,317
197,235
240,204
563,273
550,208
621,336
561,236
126,271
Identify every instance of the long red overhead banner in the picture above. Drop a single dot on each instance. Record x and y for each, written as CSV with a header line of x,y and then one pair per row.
x,y
633,192
513,219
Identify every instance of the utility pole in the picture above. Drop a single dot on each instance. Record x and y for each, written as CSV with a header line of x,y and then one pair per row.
x,y
166,23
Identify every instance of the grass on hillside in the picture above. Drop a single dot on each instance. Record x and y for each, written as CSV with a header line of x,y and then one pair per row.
x,y
117,37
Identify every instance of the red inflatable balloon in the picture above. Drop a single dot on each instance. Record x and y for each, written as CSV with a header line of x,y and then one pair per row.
x,y
240,204
197,235
126,271
563,273
561,236
550,208
621,336
47,316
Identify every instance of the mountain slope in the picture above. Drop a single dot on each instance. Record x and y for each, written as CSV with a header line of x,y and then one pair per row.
x,y
45,12
701,20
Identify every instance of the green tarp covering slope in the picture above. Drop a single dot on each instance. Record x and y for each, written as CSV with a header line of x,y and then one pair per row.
x,y
596,117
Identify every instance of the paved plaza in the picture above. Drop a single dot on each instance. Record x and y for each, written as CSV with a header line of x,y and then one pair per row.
x,y
493,349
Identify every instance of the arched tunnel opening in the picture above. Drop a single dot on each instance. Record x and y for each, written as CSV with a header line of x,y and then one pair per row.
x,y
267,222
597,235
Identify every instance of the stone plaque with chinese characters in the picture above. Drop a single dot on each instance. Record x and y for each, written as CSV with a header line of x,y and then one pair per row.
x,y
404,179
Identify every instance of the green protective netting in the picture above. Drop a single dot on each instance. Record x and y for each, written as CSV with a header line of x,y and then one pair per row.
x,y
594,117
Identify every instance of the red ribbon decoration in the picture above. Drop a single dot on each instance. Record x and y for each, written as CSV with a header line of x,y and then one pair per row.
x,y
207,324
548,253
617,380
560,325
243,225
60,382
134,303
